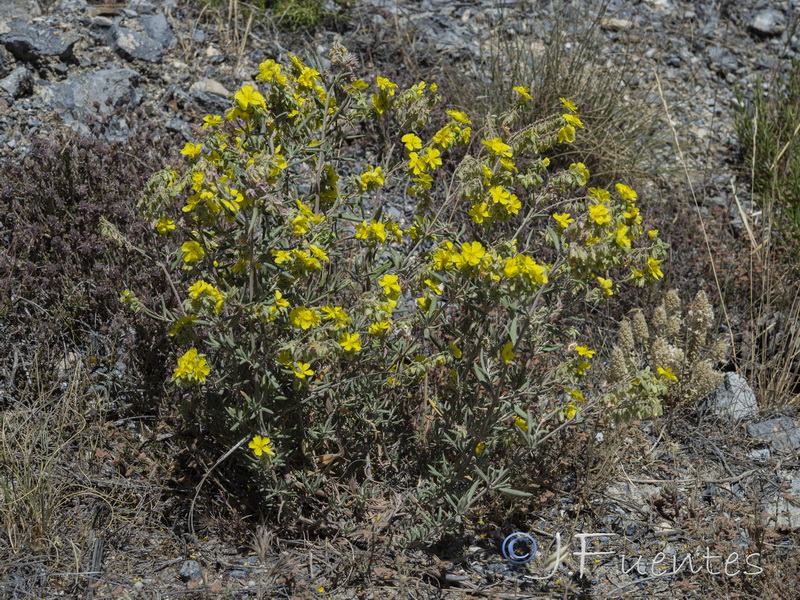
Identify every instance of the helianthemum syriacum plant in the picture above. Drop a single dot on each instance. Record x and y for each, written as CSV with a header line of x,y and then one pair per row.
x,y
434,349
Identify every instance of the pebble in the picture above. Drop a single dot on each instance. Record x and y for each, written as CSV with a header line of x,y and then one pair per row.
x,y
769,22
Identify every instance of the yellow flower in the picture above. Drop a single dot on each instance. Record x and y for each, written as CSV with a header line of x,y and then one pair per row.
x,y
497,146
261,446
563,219
479,212
521,423
192,368
336,314
599,214
472,253
652,234
601,194
584,351
248,96
432,158
192,251
623,241
304,318
379,327
302,370
455,350
523,91
573,120
479,448
566,134
417,164
269,70
626,192
191,149
280,301
582,367
576,394
202,288
211,120
507,353
655,270
318,252
666,374
424,303
165,225
570,411
411,141
181,323
581,171
386,85
350,342
390,285
459,116
606,284
568,104
372,178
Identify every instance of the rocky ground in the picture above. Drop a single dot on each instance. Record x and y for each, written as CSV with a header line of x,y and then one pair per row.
x,y
161,64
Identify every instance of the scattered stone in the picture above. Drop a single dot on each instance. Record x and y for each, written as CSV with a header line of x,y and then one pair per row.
x,y
190,569
209,86
18,9
100,93
784,510
132,45
760,455
616,24
782,433
158,28
734,399
19,83
237,573
31,43
768,22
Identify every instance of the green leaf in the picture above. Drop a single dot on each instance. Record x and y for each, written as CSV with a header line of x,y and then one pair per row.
x,y
512,492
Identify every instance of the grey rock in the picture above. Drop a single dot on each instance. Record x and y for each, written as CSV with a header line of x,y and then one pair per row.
x,y
734,399
132,45
722,59
19,83
237,573
190,569
19,9
760,455
784,510
768,22
210,103
31,43
210,86
158,28
109,89
143,7
616,24
782,433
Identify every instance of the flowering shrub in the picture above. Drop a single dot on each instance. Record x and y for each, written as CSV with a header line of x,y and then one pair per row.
x,y
341,340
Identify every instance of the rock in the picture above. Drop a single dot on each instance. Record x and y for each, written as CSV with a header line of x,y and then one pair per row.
x,y
18,9
109,89
733,400
782,433
132,45
209,86
768,22
784,510
759,455
158,28
31,43
616,24
190,569
19,83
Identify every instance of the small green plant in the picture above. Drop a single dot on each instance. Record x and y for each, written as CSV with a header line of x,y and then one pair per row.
x,y
624,125
674,348
435,351
768,126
